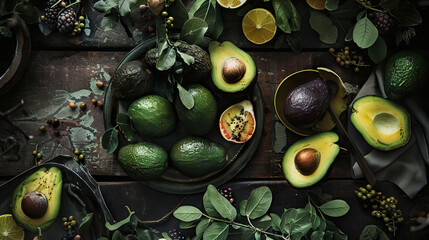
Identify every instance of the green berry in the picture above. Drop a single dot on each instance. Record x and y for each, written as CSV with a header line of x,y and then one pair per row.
x,y
39,156
81,157
369,187
64,219
171,18
164,14
82,25
76,152
71,218
379,215
360,195
73,222
364,198
81,18
168,22
386,219
34,153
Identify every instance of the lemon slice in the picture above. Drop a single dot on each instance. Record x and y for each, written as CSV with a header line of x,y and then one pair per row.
x,y
231,3
317,4
9,230
259,26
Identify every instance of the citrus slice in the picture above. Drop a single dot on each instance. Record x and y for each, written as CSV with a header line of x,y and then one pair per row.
x,y
9,230
317,4
259,26
231,3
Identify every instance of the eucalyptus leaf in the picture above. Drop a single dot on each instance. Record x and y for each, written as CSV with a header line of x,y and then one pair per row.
x,y
329,235
257,236
275,222
178,11
317,235
295,222
242,207
248,234
123,222
332,5
110,140
105,6
167,59
263,222
117,235
185,97
221,204
287,17
406,14
85,224
337,233
378,51
197,4
161,33
365,33
328,32
361,15
188,225
314,219
109,21
124,122
201,227
188,59
372,232
207,12
143,234
259,202
208,206
165,235
216,30
216,231
322,226
335,208
131,237
187,213
193,30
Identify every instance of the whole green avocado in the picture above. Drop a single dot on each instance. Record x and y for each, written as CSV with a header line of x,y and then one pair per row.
x,y
405,73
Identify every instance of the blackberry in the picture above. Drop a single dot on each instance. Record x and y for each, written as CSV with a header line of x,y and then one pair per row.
x,y
174,234
66,21
382,21
227,193
50,13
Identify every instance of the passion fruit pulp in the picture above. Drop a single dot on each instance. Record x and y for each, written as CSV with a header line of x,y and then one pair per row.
x,y
237,123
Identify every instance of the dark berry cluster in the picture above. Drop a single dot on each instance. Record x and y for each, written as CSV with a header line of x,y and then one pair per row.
x,y
385,208
147,17
348,58
382,21
69,224
62,16
227,193
174,234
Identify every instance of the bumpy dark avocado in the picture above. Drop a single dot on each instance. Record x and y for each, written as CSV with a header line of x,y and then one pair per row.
x,y
201,66
36,201
307,161
133,79
306,104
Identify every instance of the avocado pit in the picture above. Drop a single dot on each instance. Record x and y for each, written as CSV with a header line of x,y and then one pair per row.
x,y
233,70
34,204
307,160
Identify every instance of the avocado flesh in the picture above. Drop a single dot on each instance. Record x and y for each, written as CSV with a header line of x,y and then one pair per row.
x,y
322,142
196,156
49,183
384,124
219,53
200,119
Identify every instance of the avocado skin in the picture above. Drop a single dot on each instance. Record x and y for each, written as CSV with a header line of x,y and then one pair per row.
x,y
306,104
133,79
198,120
196,156
405,73
51,188
200,68
143,160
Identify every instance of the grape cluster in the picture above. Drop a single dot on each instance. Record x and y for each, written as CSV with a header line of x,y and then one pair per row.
x,y
227,193
382,21
62,15
69,224
174,234
385,208
347,58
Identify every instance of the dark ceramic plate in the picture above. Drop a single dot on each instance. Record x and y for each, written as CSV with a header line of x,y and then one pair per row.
x,y
172,181
84,186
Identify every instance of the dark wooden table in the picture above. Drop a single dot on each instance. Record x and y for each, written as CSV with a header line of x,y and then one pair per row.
x,y
63,70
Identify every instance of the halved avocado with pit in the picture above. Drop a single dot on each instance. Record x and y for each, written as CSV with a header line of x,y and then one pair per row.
x,y
307,161
36,201
232,69
384,124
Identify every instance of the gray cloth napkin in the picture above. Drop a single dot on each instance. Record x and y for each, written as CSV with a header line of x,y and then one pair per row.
x,y
405,166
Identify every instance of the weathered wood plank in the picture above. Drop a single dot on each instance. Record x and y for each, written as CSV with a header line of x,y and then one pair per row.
x,y
56,77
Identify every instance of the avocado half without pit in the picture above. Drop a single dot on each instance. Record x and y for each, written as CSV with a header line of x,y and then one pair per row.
x,y
384,124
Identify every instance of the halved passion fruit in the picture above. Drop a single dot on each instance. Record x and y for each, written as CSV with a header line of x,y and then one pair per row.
x,y
237,123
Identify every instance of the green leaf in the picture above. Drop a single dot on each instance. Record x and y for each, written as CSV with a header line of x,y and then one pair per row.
x,y
248,234
201,227
242,206
28,12
9,149
124,7
124,122
109,140
188,59
167,59
275,222
406,14
117,235
185,97
143,234
257,236
314,219
349,35
317,235
378,51
85,224
208,206
193,30
216,231
188,225
295,222
187,213
131,237
281,18
328,32
160,32
197,4
365,33
207,12
361,15
259,202
216,30
335,208
165,235
178,11
263,223
389,4
109,21
322,226
337,233
123,222
294,42
372,232
221,204
287,17
332,5
105,6
329,235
